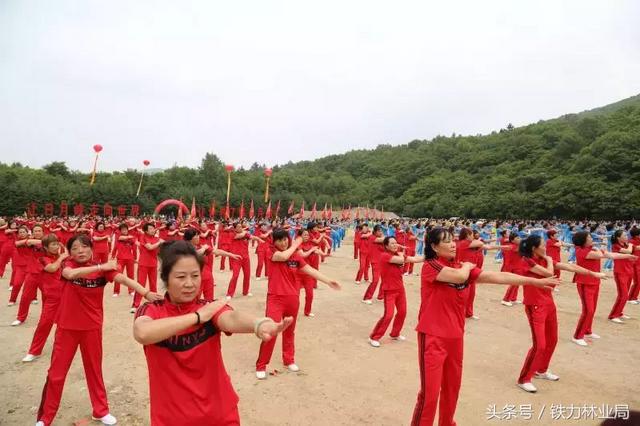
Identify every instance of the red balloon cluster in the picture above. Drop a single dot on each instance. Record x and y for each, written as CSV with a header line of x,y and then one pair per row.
x,y
228,168
268,172
97,148
146,162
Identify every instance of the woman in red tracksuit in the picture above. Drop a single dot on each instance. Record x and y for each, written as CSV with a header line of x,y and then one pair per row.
x,y
18,263
188,382
356,241
392,264
589,286
310,253
510,259
262,249
32,250
374,251
51,291
124,251
363,254
283,297
79,324
100,237
4,239
469,249
240,247
410,251
148,245
541,310
622,273
444,290
634,291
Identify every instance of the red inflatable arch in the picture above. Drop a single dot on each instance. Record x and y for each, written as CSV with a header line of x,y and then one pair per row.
x,y
172,202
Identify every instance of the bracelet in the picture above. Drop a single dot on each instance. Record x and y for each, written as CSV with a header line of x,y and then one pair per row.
x,y
198,315
99,267
258,322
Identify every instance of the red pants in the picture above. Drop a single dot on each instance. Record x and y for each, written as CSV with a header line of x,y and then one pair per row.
x,y
622,284
356,249
126,266
6,252
145,272
589,298
262,257
371,289
308,284
544,334
635,288
65,347
279,307
408,267
29,293
222,258
511,295
50,304
236,265
206,287
101,257
440,362
470,300
365,262
18,275
397,299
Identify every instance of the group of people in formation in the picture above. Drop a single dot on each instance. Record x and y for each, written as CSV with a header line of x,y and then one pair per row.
x,y
71,260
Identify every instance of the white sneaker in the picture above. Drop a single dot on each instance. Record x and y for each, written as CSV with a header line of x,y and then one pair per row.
x,y
34,302
367,302
556,289
528,387
261,375
106,420
132,310
616,320
547,375
258,278
634,302
293,368
115,295
505,303
130,294
625,316
474,317
228,297
592,336
405,274
518,302
579,342
374,343
357,282
400,337
30,358
311,314
249,294
39,423
16,322
11,303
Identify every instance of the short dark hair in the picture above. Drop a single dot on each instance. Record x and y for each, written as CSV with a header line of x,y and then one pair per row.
x,y
464,233
635,231
147,225
579,239
528,244
387,240
123,226
189,234
280,234
435,236
83,238
513,236
172,251
48,239
615,236
377,228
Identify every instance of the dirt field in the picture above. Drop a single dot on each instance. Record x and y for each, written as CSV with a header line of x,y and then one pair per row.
x,y
343,380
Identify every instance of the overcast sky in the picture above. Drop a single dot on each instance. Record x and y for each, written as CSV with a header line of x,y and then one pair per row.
x,y
273,81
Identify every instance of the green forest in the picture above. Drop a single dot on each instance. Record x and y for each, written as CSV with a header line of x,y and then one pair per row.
x,y
584,165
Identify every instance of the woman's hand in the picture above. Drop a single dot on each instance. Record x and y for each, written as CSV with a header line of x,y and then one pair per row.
x,y
547,283
111,265
152,296
269,329
210,309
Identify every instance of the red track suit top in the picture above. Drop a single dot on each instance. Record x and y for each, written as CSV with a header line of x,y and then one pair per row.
x,y
533,295
148,258
188,382
391,273
590,264
282,275
81,302
622,266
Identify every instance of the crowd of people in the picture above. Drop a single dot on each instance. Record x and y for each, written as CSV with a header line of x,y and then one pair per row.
x,y
70,261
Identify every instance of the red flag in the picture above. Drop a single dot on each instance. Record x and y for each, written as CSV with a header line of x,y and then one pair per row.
x,y
242,212
357,212
330,212
179,213
324,212
302,210
367,213
226,212
268,213
277,209
212,210
252,212
192,215
290,210
314,212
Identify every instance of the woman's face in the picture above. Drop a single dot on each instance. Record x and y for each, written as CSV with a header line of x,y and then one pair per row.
x,y
305,236
392,246
588,241
81,253
196,240
100,227
540,251
53,247
22,233
184,280
623,238
151,230
38,233
445,248
281,244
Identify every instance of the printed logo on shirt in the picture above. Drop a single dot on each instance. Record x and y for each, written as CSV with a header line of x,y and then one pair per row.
x,y
189,341
459,286
293,264
89,282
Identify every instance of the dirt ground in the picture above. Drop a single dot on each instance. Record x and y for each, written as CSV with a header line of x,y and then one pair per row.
x,y
343,380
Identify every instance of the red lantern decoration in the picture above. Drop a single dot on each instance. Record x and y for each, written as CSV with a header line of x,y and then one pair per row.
x,y
268,172
108,210
228,168
146,162
97,148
